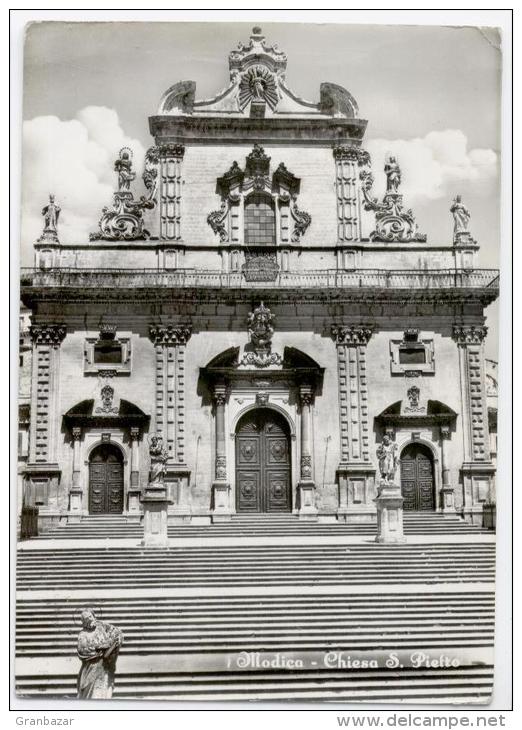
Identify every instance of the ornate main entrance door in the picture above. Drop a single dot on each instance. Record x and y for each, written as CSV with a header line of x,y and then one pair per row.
x,y
106,481
263,463
417,482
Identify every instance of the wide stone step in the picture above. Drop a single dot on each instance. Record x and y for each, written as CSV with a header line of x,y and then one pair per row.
x,y
463,684
272,565
113,526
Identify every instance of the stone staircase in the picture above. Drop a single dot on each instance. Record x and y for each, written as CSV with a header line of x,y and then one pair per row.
x,y
286,565
113,526
189,612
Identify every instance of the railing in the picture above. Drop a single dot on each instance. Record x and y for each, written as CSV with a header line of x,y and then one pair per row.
x,y
319,279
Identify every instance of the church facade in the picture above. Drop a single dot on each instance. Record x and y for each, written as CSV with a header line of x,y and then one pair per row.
x,y
265,315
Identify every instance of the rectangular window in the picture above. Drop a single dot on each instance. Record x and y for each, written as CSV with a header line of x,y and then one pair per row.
x,y
107,352
414,355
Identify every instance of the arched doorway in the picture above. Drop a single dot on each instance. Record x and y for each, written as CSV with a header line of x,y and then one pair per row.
x,y
417,479
106,480
263,482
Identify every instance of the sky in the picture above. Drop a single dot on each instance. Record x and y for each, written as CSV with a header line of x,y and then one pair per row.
x,y
431,95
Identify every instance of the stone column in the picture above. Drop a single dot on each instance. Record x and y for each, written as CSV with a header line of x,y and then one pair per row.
x,y
306,486
43,472
75,492
134,491
355,471
221,488
477,469
170,342
170,189
447,491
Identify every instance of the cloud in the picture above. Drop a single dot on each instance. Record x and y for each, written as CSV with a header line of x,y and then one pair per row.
x,y
74,159
434,166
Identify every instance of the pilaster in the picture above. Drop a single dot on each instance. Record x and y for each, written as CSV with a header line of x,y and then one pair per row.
x,y
355,471
170,159
221,507
170,343
306,486
477,469
42,472
347,161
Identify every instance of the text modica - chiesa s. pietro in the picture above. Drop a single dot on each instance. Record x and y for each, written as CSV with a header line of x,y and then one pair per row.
x,y
252,304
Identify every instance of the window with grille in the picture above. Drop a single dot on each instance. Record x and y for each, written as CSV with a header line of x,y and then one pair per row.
x,y
260,220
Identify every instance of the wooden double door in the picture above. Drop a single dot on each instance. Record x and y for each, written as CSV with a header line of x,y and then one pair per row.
x,y
106,481
263,473
417,482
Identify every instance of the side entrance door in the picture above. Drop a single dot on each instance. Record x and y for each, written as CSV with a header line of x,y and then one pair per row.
x,y
263,463
106,481
417,481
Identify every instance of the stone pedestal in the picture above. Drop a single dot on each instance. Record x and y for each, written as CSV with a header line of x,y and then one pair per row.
x,y
447,500
181,510
133,505
389,503
221,502
155,503
75,505
307,507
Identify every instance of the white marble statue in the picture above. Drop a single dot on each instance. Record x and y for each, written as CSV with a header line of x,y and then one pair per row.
x,y
388,459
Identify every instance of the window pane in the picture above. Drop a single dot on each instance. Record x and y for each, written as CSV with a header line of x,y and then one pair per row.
x,y
412,355
107,352
260,220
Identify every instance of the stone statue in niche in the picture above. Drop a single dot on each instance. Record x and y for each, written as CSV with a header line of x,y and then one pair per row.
x,y
158,459
461,217
388,459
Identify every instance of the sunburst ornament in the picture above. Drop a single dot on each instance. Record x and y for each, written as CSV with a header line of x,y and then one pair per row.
x,y
258,84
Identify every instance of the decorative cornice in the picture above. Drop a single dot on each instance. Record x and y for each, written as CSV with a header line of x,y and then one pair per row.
x,y
351,335
48,334
469,334
170,335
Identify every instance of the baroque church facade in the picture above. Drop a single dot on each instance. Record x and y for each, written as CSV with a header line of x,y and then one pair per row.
x,y
265,315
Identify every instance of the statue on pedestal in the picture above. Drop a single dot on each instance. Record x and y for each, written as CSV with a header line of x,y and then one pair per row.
x,y
123,166
393,175
158,460
461,217
388,459
51,214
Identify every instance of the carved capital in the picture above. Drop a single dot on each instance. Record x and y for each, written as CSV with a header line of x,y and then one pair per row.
x,y
134,433
171,150
445,433
469,334
351,336
306,395
350,153
170,335
76,433
220,394
48,334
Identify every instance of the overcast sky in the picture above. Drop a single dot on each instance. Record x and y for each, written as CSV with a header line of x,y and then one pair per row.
x,y
430,94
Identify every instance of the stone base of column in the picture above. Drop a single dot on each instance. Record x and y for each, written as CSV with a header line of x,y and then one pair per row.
x,y
155,503
478,486
447,500
179,480
307,507
75,505
356,492
133,505
221,508
389,503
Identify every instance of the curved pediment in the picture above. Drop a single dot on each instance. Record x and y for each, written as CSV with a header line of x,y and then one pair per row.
x,y
258,89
